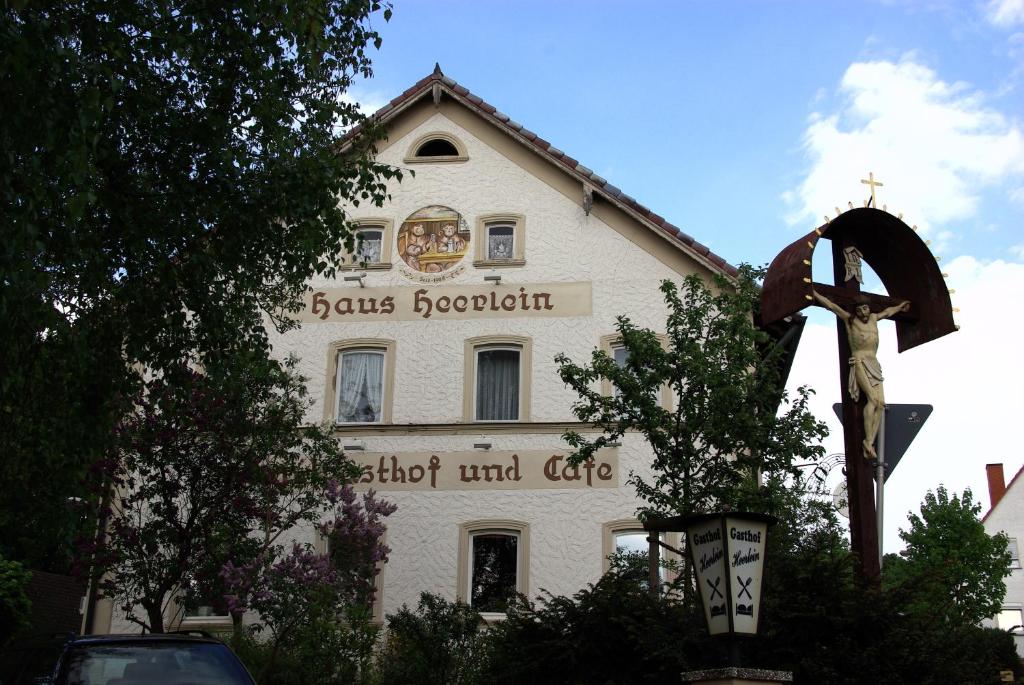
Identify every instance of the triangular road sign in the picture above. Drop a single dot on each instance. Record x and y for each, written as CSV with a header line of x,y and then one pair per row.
x,y
902,422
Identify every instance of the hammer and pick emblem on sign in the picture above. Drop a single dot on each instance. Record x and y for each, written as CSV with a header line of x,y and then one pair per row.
x,y
744,587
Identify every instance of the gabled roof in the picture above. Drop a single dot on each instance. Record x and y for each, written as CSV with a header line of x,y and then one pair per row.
x,y
437,84
1009,486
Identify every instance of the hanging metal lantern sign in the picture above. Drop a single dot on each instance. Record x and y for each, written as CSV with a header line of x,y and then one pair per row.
x,y
727,551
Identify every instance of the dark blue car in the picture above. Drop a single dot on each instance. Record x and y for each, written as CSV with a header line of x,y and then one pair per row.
x,y
167,659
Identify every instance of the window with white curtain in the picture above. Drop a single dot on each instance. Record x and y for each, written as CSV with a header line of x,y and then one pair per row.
x,y
497,383
360,386
501,242
369,245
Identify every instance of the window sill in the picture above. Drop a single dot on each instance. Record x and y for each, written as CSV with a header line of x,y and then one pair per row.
x,y
498,263
216,623
493,616
376,266
440,159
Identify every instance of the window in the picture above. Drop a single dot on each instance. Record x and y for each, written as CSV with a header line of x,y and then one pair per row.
x,y
1011,546
500,243
1008,618
372,249
369,244
360,382
497,375
493,563
497,384
612,346
625,542
436,147
203,605
360,386
364,576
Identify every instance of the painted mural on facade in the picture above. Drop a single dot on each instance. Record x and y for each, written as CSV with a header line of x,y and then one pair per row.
x,y
433,239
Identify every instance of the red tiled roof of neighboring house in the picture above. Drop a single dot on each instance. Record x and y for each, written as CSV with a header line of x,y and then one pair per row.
x,y
437,80
1005,493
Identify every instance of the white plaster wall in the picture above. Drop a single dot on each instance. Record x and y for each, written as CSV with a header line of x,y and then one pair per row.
x,y
1008,518
562,244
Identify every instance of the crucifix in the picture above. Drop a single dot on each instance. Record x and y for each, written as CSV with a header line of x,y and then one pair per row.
x,y
918,302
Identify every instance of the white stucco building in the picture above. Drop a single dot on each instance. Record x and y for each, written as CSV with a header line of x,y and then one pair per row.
x,y
438,365
434,358
1006,515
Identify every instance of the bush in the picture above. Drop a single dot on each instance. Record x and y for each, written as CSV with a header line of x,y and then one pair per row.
x,y
325,650
15,607
611,632
440,642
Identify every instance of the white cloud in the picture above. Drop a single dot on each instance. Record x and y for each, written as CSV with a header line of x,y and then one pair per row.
x,y
368,101
972,377
1017,196
1017,251
1005,13
933,144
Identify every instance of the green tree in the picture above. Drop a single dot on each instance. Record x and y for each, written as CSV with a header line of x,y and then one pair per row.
x,y
951,570
171,179
723,439
208,468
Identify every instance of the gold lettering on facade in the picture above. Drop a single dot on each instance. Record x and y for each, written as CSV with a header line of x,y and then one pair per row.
x,y
521,470
447,302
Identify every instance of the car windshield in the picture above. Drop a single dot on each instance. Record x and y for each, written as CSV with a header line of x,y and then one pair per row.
x,y
152,663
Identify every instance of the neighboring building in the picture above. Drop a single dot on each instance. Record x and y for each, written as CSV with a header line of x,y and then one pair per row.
x,y
1006,515
435,359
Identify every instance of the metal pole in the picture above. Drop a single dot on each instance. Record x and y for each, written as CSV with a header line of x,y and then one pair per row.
x,y
880,480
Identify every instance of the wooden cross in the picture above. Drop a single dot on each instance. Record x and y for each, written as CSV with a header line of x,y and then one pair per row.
x,y
870,180
908,270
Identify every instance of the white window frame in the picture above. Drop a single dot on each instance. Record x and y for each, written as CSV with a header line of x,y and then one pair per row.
x,y
332,393
487,237
476,385
323,546
473,347
360,239
1014,550
608,344
612,529
383,384
1006,609
484,223
411,156
467,532
387,237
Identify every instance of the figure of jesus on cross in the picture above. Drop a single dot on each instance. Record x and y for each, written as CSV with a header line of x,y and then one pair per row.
x,y
916,298
865,371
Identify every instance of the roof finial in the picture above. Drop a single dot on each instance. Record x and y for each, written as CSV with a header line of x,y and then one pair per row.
x,y
437,69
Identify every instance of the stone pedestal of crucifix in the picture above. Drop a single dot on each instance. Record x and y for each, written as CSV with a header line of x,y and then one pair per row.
x,y
917,300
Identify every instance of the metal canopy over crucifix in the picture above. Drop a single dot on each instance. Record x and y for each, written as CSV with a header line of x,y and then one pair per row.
x,y
918,301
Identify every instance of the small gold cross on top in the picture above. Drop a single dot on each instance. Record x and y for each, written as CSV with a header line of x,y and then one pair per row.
x,y
870,180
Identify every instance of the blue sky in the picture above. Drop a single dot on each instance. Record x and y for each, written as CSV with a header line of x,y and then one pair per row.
x,y
745,123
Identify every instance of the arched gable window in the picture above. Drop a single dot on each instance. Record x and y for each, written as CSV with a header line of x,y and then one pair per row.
x,y
436,147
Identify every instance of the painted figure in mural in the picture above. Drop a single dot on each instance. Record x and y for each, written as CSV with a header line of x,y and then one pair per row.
x,y
426,243
412,255
449,241
865,371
